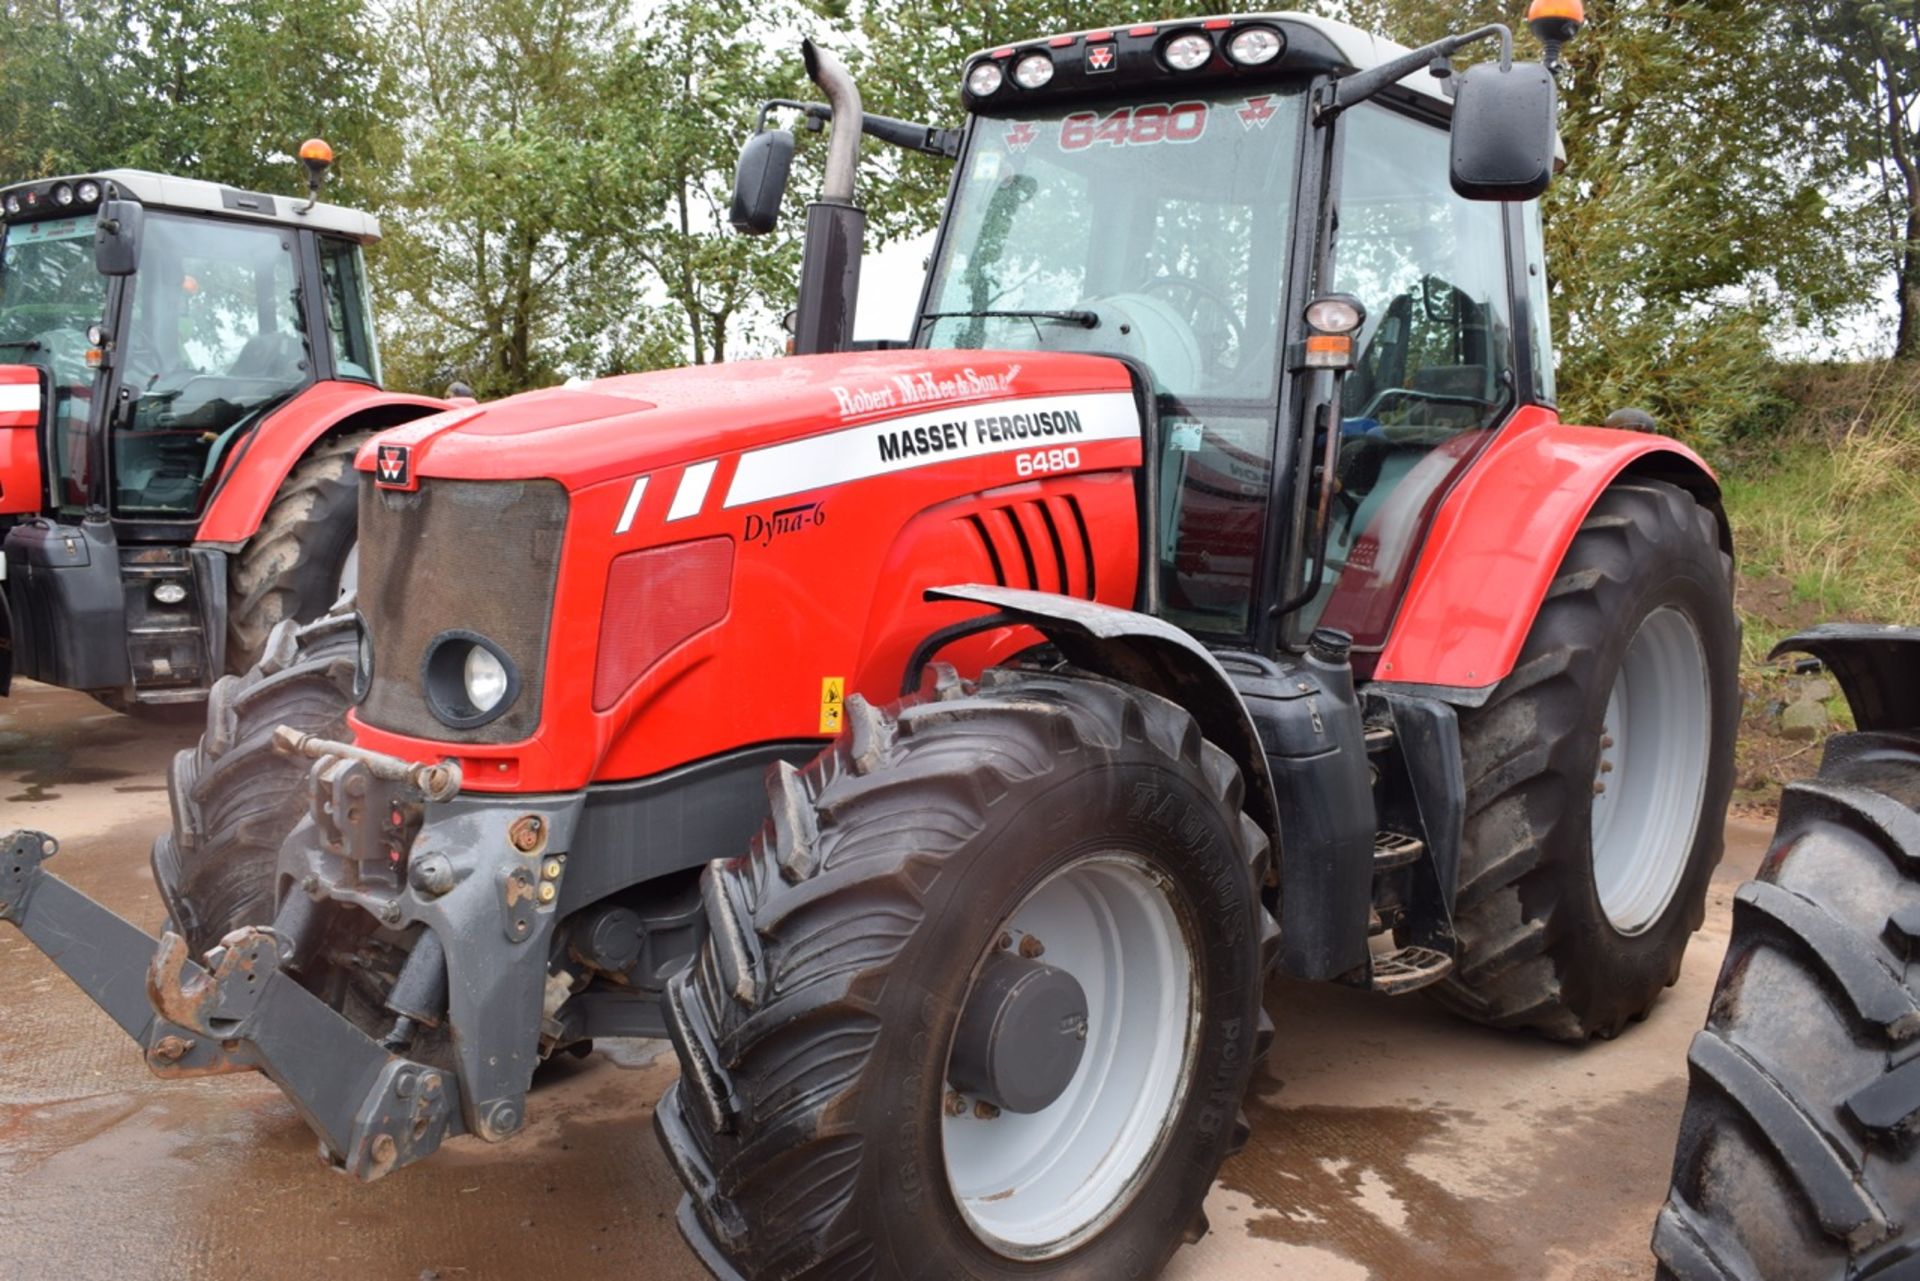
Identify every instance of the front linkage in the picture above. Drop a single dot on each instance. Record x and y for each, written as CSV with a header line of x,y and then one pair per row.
x,y
477,898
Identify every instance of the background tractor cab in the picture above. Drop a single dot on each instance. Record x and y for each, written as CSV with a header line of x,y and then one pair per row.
x,y
176,358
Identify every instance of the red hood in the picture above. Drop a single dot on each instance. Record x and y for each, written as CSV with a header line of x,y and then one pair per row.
x,y
601,430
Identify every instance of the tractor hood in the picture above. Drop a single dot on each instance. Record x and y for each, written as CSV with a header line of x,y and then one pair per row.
x,y
584,434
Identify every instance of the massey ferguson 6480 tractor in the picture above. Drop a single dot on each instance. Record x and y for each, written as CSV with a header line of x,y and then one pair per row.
x,y
942,744
186,371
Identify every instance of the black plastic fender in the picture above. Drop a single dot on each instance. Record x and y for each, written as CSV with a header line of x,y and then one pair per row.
x,y
1153,655
1878,669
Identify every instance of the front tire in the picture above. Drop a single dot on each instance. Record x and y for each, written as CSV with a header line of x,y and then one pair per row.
x,y
816,1124
235,798
1597,774
1796,1159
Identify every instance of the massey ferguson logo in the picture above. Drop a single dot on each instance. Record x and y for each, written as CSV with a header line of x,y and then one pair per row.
x,y
393,467
1021,136
1099,57
1257,112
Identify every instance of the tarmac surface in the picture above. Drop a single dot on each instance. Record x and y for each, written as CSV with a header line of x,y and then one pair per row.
x,y
1389,1140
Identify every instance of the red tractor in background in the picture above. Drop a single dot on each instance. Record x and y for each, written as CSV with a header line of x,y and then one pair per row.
x,y
943,743
186,372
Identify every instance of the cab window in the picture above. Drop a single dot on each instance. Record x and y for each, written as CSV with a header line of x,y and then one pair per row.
x,y
1434,370
349,312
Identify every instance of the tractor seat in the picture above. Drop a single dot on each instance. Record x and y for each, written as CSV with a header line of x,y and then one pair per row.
x,y
269,356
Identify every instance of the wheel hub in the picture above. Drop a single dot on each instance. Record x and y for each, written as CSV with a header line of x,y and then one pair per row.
x,y
1022,1035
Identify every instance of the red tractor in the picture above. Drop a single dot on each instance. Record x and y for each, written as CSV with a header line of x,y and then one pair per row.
x,y
186,372
943,743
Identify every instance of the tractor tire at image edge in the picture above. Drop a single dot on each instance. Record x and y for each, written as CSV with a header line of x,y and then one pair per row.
x,y
1797,1159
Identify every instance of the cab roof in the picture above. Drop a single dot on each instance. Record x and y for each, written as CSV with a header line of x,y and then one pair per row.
x,y
38,200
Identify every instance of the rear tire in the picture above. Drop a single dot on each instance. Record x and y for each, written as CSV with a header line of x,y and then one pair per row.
x,y
1797,1158
234,797
815,1026
1564,926
292,567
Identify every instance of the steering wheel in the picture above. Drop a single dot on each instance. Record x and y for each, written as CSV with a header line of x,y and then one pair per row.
x,y
1222,309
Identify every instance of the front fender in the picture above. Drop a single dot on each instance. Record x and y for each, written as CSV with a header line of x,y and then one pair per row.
x,y
1498,540
1148,653
1878,669
257,468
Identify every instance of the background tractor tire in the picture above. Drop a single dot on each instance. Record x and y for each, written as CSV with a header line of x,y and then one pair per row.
x,y
1796,1159
811,1122
291,568
234,797
1548,939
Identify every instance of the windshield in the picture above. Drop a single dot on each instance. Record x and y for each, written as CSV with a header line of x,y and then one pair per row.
x,y
214,339
1165,225
49,295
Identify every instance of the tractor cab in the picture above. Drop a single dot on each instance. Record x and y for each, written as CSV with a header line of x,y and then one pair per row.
x,y
1163,192
174,357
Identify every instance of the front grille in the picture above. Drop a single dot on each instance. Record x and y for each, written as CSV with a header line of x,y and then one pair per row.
x,y
478,556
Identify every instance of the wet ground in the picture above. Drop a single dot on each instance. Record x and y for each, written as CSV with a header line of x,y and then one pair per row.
x,y
1390,1141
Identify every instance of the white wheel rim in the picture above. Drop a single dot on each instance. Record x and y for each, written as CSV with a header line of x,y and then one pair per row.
x,y
1037,1185
1651,774
349,571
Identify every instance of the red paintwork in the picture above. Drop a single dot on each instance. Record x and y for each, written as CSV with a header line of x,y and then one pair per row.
x,y
840,599
253,475
20,444
1496,542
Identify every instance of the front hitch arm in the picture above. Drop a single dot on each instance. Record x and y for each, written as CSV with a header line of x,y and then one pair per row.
x,y
374,1111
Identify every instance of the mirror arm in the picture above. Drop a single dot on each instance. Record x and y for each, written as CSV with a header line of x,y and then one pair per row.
x,y
908,135
1362,85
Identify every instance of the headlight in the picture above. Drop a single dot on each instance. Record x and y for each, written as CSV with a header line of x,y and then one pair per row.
x,y
469,680
13,204
1255,46
984,80
63,195
1188,52
486,679
1033,71
169,593
89,192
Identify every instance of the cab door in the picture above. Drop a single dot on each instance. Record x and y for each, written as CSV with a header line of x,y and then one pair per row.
x,y
1435,369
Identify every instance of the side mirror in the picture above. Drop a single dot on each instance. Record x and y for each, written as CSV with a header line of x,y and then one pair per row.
x,y
760,181
1503,132
116,237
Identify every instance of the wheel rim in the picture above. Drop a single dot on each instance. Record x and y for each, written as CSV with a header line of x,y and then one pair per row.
x,y
349,571
1652,771
1036,1185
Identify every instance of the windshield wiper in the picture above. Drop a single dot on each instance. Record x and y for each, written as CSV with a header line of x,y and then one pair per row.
x,y
1084,319
24,344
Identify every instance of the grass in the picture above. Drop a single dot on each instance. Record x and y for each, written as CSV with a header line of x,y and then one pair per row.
x,y
1826,526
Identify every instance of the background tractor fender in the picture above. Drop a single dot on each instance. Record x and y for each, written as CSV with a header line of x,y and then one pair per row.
x,y
261,462
1148,653
1499,537
1878,669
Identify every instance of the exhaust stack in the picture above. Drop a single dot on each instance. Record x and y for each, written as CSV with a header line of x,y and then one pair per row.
x,y
836,226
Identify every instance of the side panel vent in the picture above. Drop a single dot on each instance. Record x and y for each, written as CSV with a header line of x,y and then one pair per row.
x,y
1040,544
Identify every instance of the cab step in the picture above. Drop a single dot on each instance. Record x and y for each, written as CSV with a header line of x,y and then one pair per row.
x,y
1392,850
1379,738
1409,969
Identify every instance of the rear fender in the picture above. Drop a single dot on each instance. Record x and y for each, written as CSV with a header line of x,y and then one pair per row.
x,y
259,466
1151,654
1498,539
1878,669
